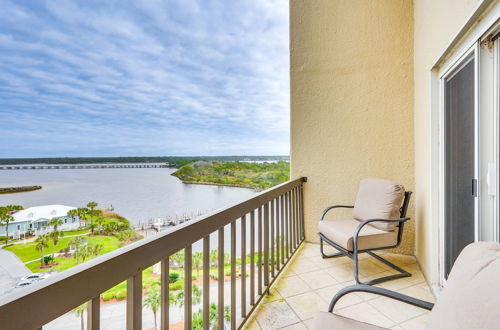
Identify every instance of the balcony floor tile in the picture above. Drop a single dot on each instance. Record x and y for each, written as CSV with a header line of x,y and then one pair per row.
x,y
309,282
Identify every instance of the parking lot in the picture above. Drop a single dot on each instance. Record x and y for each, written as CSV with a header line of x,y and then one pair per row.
x,y
11,271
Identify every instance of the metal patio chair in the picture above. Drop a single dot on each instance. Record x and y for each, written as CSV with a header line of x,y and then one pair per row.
x,y
377,222
469,299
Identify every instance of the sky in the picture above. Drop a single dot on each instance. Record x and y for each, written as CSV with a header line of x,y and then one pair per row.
x,y
139,78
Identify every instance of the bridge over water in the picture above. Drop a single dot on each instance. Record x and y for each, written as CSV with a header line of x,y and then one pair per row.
x,y
78,166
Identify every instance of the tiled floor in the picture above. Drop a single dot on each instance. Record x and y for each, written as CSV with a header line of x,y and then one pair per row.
x,y
309,282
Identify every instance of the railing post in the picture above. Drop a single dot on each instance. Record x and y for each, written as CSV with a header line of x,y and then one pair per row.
x,y
259,251
206,282
301,201
233,275
165,292
93,313
188,288
272,240
283,229
220,295
243,266
134,302
266,246
252,258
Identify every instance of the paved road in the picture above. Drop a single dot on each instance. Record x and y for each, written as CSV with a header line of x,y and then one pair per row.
x,y
11,270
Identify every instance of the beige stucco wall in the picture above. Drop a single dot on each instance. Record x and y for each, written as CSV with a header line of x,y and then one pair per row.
x,y
436,23
351,99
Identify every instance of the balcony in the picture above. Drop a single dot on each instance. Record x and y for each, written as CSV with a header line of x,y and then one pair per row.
x,y
267,229
286,280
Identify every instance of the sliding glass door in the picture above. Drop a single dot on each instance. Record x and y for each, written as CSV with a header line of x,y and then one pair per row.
x,y
460,185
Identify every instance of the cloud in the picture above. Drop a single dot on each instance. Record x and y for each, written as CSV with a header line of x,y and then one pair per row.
x,y
152,77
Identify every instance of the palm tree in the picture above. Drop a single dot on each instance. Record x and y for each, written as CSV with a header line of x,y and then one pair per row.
x,y
81,212
79,313
6,217
55,223
153,300
97,249
42,242
92,213
77,241
73,213
197,261
214,257
212,317
179,297
83,252
55,235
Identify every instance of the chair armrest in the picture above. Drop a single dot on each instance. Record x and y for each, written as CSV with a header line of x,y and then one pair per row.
x,y
382,292
325,211
364,223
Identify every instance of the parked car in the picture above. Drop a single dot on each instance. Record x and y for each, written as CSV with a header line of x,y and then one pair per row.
x,y
36,276
23,283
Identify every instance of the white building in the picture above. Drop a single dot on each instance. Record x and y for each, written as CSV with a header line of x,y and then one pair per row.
x,y
36,219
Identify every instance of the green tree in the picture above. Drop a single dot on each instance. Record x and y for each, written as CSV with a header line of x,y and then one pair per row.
x,y
214,258
55,236
212,317
77,241
55,223
153,300
92,213
177,258
81,212
179,297
83,252
42,241
79,313
97,249
197,261
6,218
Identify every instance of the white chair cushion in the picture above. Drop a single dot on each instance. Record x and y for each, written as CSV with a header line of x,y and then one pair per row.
x,y
378,199
471,297
341,231
330,321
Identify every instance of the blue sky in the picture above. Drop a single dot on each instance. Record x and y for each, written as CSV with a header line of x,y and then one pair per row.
x,y
151,77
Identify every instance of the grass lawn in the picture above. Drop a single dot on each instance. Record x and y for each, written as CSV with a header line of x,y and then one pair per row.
x,y
27,252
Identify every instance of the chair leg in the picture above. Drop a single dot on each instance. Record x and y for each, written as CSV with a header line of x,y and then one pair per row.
x,y
325,256
402,272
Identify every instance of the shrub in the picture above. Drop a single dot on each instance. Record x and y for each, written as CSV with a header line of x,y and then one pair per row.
x,y
47,260
121,295
179,285
106,296
173,277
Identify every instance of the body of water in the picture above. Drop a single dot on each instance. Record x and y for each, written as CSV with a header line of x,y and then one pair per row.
x,y
139,194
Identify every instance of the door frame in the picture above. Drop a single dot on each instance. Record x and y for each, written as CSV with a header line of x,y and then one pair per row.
x,y
444,73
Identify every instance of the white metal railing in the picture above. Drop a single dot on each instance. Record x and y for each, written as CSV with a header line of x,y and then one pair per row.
x,y
274,219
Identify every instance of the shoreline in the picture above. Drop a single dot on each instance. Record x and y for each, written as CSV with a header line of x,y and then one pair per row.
x,y
13,190
234,185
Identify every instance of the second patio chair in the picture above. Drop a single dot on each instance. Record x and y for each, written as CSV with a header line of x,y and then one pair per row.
x,y
377,221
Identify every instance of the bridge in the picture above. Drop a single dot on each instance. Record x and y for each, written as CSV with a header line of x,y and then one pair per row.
x,y
78,166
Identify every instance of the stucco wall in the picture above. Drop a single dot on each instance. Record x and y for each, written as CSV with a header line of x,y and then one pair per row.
x,y
351,99
436,23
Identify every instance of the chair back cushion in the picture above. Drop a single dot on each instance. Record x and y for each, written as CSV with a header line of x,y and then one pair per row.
x,y
378,199
471,296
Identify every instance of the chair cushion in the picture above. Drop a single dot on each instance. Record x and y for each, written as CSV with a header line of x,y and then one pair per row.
x,y
471,296
378,199
330,321
341,231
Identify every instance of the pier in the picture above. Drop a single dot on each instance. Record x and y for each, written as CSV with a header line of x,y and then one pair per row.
x,y
79,166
